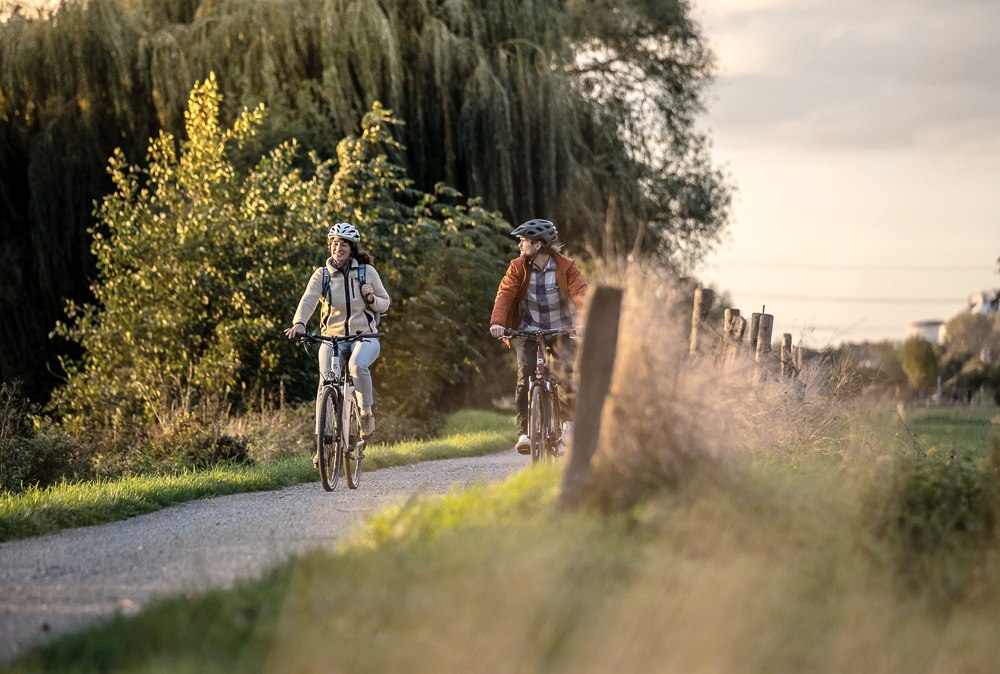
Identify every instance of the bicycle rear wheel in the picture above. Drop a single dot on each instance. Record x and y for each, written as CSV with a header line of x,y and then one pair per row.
x,y
355,449
536,422
328,442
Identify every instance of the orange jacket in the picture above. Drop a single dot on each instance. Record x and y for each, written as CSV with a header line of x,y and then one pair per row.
x,y
514,285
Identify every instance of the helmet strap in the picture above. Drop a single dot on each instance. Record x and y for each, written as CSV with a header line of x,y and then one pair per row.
x,y
540,251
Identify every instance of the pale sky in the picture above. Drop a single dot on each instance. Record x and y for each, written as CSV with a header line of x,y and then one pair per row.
x,y
864,142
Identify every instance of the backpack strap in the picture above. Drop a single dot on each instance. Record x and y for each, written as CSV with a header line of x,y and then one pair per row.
x,y
373,318
325,298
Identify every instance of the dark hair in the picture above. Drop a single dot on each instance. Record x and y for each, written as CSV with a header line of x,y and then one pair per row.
x,y
361,256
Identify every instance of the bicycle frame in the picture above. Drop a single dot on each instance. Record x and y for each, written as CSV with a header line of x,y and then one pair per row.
x,y
543,397
338,410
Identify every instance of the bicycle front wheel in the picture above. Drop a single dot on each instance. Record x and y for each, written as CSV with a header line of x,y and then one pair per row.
x,y
552,429
354,451
536,422
328,443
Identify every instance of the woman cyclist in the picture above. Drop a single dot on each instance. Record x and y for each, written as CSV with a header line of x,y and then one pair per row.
x,y
353,300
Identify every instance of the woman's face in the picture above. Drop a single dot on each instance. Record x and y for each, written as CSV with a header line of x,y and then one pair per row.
x,y
340,250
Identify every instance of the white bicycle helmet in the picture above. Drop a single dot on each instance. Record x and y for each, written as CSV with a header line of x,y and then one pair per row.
x,y
540,230
344,230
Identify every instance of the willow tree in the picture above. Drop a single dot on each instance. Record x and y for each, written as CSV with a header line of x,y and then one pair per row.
x,y
548,108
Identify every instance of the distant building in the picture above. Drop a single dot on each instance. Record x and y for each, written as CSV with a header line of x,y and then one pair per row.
x,y
984,302
932,331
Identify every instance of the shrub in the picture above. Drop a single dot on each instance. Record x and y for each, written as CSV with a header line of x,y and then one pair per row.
x,y
441,260
201,264
939,515
919,361
198,263
30,456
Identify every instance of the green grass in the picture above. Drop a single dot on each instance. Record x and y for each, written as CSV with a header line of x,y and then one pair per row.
x,y
962,430
496,579
771,577
355,588
38,511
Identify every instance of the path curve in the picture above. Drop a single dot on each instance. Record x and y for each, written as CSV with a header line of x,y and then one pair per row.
x,y
59,583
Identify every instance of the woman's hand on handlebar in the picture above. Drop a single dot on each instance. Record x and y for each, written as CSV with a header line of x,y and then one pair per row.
x,y
497,331
295,331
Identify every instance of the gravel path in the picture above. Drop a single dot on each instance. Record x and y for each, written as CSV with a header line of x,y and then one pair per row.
x,y
58,583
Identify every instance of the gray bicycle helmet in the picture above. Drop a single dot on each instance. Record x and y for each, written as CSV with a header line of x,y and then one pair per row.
x,y
344,230
540,230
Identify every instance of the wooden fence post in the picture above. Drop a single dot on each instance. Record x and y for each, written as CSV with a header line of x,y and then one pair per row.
x,y
729,322
754,332
703,298
737,330
727,319
594,365
763,345
786,354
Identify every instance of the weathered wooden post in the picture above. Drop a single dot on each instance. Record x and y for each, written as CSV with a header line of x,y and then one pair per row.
x,y
786,354
763,345
754,331
703,298
594,366
738,330
797,359
729,317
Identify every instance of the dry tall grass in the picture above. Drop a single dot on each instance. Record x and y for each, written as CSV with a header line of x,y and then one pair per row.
x,y
673,418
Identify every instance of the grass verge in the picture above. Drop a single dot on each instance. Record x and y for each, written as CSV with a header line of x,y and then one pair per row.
x,y
494,578
945,431
783,575
39,511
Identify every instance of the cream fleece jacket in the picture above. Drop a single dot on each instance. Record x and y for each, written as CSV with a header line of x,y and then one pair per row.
x,y
345,298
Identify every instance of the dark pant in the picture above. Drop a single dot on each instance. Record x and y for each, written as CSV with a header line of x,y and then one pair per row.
x,y
563,354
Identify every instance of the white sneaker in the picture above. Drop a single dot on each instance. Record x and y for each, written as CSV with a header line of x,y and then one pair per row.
x,y
523,445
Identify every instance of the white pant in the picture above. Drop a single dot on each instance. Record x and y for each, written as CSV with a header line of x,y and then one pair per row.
x,y
363,354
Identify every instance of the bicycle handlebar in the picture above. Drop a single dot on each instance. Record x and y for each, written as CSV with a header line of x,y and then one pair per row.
x,y
514,332
312,337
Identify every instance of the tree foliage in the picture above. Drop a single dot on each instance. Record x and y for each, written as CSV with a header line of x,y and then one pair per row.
x,y
197,265
968,335
440,259
201,263
544,108
919,361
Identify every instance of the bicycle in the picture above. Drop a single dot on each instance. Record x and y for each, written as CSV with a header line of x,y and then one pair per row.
x,y
544,426
338,438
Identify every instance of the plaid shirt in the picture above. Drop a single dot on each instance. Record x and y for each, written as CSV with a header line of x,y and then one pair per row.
x,y
544,307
